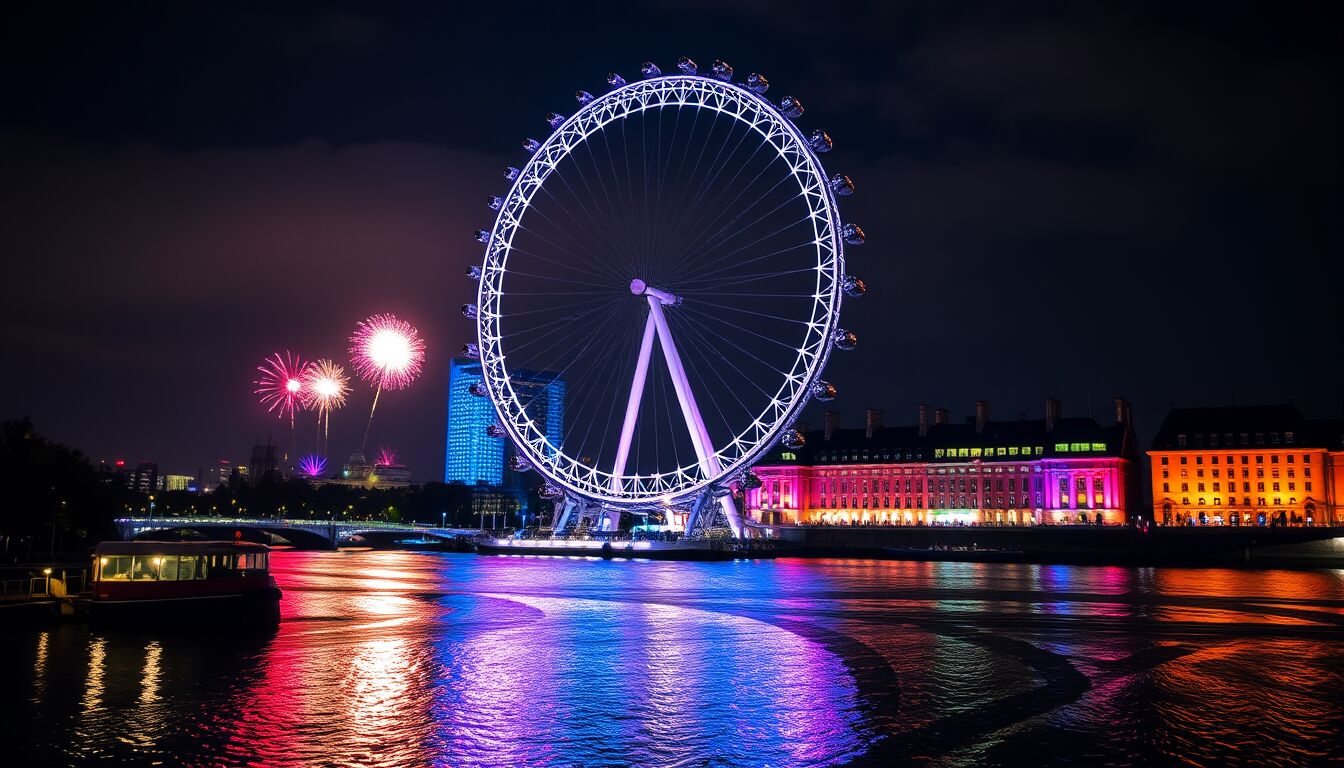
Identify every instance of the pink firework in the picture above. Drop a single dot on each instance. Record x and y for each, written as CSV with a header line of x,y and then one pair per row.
x,y
313,465
387,352
386,457
281,384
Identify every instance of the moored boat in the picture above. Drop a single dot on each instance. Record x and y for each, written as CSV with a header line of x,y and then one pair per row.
x,y
163,583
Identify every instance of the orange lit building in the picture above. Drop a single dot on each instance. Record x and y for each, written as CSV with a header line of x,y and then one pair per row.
x,y
1054,470
1256,465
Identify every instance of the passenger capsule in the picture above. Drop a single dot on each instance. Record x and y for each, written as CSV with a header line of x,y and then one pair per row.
x,y
853,234
481,236
511,173
494,430
842,185
722,70
583,97
477,389
531,145
649,69
493,202
471,350
794,439
854,287
757,82
686,65
615,80
469,311
473,273
823,391
791,107
820,141
554,119
519,464
845,340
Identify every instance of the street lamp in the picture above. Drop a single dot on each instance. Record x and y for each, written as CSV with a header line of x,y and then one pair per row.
x,y
443,519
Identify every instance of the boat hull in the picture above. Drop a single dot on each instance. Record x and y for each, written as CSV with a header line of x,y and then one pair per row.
x,y
260,607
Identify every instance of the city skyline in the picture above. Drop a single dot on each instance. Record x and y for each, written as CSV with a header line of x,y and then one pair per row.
x,y
1109,233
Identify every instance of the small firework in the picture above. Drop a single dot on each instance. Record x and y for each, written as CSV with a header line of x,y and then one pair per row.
x,y
387,352
386,457
280,384
313,465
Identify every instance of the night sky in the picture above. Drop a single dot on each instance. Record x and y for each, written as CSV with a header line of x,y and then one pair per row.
x,y
1070,199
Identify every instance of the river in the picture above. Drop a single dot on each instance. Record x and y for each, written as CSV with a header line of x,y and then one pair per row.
x,y
405,659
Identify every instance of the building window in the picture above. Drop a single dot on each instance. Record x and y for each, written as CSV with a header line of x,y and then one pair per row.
x,y
1164,461
1306,487
1183,459
1180,440
1185,487
1166,487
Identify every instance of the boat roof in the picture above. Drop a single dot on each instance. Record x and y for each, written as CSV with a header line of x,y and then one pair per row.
x,y
175,547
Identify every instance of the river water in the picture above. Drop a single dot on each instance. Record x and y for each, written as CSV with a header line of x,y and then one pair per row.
x,y
406,659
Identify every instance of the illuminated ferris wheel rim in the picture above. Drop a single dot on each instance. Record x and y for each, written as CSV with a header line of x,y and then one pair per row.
x,y
747,445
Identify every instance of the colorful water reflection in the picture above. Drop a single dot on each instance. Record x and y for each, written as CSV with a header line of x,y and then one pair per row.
x,y
390,659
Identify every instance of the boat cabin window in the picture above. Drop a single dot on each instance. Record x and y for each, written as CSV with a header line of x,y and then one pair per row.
x,y
144,568
153,567
114,568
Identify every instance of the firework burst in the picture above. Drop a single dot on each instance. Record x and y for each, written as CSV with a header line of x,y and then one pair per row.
x,y
313,465
386,457
280,384
387,352
325,387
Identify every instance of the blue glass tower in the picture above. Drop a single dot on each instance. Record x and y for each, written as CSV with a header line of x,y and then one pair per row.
x,y
474,458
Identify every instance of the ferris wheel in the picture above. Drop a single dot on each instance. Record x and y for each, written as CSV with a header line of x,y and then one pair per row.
x,y
682,211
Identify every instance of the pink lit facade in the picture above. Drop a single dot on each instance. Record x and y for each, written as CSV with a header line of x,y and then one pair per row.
x,y
1055,471
1055,490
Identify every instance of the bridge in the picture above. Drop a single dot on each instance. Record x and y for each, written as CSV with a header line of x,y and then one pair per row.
x,y
304,534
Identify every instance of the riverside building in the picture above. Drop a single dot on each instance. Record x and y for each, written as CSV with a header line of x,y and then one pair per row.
x,y
1253,465
1054,470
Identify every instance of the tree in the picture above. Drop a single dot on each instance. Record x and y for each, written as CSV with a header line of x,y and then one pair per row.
x,y
53,497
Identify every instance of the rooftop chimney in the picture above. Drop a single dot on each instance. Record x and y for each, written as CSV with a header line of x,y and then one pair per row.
x,y
874,422
942,416
981,415
923,419
832,423
1122,415
1052,409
